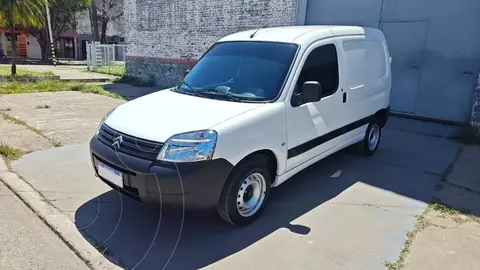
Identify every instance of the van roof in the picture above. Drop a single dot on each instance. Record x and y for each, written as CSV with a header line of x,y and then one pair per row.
x,y
298,34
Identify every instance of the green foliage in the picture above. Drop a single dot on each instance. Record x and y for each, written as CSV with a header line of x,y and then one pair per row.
x,y
63,16
5,71
63,13
114,70
53,86
24,12
9,153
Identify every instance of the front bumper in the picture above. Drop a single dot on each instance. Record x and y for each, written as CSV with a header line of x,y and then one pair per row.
x,y
198,185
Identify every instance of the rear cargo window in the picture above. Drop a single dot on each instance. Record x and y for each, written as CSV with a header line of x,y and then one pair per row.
x,y
365,61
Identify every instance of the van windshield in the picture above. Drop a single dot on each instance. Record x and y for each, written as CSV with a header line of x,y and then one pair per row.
x,y
240,71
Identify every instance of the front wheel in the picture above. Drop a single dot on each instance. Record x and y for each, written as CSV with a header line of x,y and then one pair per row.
x,y
245,192
372,139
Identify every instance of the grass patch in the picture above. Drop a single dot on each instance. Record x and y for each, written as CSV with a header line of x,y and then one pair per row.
x,y
9,153
43,106
112,70
469,135
422,223
135,81
53,86
7,71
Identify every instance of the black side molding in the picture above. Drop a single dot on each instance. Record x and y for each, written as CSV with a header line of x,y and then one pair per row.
x,y
304,147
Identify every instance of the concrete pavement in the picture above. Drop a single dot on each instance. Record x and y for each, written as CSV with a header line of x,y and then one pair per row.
x,y
345,212
72,117
26,242
451,241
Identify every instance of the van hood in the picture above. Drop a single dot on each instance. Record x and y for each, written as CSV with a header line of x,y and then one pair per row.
x,y
162,114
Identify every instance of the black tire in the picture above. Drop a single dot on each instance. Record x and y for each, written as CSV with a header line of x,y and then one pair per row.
x,y
227,206
367,150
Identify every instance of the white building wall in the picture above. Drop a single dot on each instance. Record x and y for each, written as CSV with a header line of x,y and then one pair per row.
x,y
34,50
3,41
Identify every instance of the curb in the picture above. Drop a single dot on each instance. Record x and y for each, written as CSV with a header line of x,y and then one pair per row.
x,y
55,220
88,80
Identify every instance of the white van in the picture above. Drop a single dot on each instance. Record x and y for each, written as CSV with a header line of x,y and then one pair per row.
x,y
257,108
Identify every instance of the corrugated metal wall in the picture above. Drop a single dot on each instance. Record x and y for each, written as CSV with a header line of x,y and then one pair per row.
x,y
435,45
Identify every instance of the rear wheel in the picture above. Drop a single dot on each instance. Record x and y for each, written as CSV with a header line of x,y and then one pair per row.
x,y
246,191
372,139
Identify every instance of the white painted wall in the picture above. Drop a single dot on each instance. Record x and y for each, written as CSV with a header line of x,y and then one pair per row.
x,y
33,48
3,42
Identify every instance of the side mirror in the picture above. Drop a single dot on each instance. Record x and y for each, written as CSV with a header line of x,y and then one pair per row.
x,y
311,92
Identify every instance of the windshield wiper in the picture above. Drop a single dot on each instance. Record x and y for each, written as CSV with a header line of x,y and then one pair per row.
x,y
222,93
192,90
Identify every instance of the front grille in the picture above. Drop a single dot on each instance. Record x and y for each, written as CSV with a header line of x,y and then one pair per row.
x,y
137,147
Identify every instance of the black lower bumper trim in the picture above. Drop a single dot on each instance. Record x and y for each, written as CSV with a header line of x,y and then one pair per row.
x,y
198,185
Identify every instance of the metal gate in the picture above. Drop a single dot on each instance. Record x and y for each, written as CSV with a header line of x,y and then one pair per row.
x,y
434,43
104,55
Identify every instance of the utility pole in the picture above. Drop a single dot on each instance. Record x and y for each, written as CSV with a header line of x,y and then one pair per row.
x,y
51,35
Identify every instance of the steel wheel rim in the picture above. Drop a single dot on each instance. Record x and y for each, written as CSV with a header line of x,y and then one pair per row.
x,y
373,137
251,194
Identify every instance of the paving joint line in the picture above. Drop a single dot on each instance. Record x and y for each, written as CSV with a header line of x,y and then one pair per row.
x,y
17,121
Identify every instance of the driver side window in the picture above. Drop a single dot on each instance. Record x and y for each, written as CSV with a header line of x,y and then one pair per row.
x,y
321,66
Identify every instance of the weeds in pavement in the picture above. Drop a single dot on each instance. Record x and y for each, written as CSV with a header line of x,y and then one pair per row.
x,y
469,135
9,153
422,223
53,86
55,143
13,119
456,215
17,121
5,109
135,81
44,106
112,70
6,71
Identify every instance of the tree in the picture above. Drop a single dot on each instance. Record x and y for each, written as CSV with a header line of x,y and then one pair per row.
x,y
20,12
108,11
94,19
63,17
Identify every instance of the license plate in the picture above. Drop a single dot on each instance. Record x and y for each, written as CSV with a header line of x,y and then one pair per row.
x,y
110,174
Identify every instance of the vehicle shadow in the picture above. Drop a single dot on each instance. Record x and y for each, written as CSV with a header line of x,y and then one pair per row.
x,y
129,91
132,235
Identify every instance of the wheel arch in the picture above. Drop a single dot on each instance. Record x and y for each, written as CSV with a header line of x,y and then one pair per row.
x,y
272,161
382,116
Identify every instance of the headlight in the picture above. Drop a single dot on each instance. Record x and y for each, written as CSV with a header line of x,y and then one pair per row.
x,y
189,147
103,121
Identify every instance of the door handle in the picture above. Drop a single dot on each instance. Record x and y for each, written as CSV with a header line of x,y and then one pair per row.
x,y
344,97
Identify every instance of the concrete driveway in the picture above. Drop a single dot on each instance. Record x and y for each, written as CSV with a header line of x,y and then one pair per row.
x,y
345,212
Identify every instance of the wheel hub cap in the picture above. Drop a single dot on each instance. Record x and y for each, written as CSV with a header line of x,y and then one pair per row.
x,y
251,195
373,137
